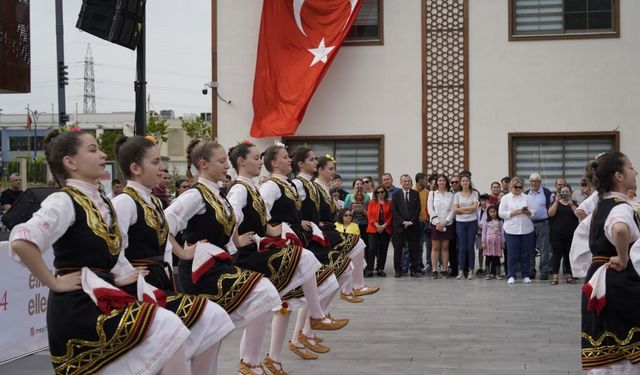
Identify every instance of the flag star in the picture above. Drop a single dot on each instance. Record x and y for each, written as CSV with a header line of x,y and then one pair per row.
x,y
320,53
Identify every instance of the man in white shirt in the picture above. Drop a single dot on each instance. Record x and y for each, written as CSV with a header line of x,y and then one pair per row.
x,y
541,197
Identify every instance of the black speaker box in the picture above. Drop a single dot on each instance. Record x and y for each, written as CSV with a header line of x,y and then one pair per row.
x,y
28,203
117,21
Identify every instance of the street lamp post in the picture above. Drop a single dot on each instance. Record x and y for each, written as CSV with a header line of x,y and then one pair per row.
x,y
35,114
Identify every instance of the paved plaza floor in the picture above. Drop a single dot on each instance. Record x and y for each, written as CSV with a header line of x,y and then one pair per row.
x,y
425,326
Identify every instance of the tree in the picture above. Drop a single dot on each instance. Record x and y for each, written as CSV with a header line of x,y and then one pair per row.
x,y
107,142
197,128
159,129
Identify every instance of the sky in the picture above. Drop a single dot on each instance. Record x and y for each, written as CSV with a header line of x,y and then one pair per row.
x,y
178,61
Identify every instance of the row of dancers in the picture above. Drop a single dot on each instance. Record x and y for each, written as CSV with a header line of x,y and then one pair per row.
x,y
247,259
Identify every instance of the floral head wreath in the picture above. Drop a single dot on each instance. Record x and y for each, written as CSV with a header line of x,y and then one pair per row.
x,y
72,128
279,144
151,139
594,163
246,142
328,156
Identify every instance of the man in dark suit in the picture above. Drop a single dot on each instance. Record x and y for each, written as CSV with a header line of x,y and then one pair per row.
x,y
405,207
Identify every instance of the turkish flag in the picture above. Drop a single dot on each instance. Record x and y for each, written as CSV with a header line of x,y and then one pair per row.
x,y
29,122
298,41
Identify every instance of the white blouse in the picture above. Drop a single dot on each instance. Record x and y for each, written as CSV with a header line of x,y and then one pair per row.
x,y
125,206
270,191
590,203
519,224
622,213
237,197
299,185
56,215
440,206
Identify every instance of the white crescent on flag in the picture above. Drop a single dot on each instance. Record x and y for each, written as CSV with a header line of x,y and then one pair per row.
x,y
297,9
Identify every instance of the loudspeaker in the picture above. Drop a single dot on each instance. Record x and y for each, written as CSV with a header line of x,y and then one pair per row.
x,y
23,208
118,21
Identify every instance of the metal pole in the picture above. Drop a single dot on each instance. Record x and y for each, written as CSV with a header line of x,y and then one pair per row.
x,y
60,53
141,83
35,134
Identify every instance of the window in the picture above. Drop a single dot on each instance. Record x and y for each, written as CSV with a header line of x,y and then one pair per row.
x,y
355,156
367,27
554,155
545,19
25,143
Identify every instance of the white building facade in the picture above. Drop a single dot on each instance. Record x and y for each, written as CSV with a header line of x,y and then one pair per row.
x,y
459,84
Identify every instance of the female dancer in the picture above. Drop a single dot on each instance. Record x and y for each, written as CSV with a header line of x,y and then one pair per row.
x,y
610,315
144,237
283,204
286,265
205,215
350,244
93,326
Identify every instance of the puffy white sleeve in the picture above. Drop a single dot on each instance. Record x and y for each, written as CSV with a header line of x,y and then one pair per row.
x,y
127,213
300,189
47,225
590,203
237,197
182,209
270,193
622,213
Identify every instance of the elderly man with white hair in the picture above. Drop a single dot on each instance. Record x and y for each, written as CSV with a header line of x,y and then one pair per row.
x,y
541,198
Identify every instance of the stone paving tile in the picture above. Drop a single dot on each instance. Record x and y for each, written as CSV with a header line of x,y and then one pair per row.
x,y
424,326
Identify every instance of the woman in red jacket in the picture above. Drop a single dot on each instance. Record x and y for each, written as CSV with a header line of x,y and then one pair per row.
x,y
378,230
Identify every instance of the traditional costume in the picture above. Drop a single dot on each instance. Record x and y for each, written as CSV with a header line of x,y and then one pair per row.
x,y
204,214
610,312
144,235
99,328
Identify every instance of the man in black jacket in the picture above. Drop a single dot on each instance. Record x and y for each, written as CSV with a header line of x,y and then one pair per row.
x,y
405,207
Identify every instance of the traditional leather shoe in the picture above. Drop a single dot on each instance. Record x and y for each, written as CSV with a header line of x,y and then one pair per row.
x,y
274,367
245,369
332,325
339,321
351,298
302,352
317,347
365,290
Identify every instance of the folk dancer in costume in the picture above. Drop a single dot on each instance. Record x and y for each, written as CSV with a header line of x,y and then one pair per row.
x,y
350,244
283,204
204,214
93,325
286,264
145,235
610,312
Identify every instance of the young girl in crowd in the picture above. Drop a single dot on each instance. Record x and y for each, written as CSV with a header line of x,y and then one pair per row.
x,y
285,205
204,214
93,326
287,265
493,242
145,235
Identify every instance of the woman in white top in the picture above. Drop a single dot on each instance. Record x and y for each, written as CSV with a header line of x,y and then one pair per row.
x,y
610,309
465,205
144,238
440,206
518,228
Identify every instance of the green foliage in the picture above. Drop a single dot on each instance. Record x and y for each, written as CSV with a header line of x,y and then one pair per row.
x,y
159,129
36,170
107,141
197,128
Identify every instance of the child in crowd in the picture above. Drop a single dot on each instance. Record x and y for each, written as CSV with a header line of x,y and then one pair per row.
x,y
482,218
493,242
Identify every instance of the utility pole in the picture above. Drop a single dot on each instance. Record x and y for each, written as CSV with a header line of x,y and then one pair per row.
x,y
141,82
63,75
35,114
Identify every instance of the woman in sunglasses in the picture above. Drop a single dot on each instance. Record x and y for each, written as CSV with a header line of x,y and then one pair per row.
x,y
515,209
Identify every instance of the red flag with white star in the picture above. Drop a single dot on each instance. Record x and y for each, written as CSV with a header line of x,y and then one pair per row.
x,y
298,41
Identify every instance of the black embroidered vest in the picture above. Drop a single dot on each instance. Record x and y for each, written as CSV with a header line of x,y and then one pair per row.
x,y
214,225
311,203
148,236
285,209
598,242
255,213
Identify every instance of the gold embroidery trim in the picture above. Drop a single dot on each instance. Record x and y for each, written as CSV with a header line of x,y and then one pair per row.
x,y
289,258
312,192
110,234
258,202
230,299
190,307
289,191
227,220
628,348
153,216
132,328
327,198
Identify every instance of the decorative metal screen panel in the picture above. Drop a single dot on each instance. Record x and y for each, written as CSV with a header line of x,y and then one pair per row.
x,y
15,47
445,116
